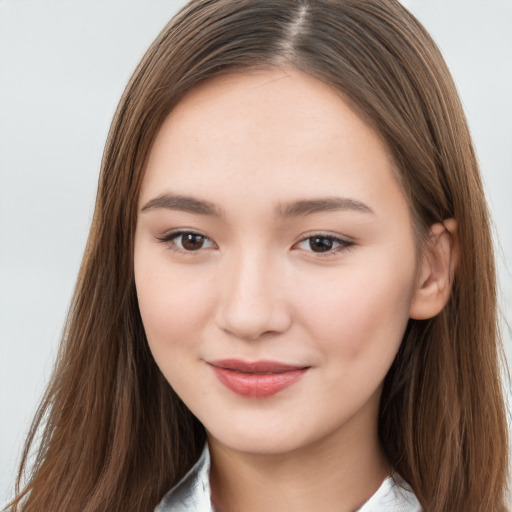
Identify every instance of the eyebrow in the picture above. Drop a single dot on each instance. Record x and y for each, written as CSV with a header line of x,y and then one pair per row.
x,y
298,208
182,203
327,204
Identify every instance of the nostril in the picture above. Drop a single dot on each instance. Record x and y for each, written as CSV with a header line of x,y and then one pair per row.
x,y
251,337
253,323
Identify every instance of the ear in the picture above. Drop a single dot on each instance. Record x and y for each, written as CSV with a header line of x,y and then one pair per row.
x,y
435,276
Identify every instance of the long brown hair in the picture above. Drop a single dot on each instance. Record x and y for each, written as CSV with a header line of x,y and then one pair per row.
x,y
114,436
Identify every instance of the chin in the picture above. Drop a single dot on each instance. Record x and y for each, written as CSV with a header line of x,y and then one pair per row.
x,y
262,437
259,444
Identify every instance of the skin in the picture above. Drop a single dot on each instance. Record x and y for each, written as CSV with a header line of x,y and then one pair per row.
x,y
253,286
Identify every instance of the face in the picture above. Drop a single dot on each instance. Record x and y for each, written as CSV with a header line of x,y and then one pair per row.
x,y
275,261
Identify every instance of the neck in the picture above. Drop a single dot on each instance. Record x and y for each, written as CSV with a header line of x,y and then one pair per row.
x,y
337,474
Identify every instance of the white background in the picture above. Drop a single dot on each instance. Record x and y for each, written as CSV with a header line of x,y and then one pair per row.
x,y
63,66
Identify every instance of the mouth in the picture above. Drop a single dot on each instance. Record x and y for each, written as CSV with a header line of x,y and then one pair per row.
x,y
257,379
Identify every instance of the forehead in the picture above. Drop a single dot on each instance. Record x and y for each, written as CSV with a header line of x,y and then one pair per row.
x,y
262,103
278,133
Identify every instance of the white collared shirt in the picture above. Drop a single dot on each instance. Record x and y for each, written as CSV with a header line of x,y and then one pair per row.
x,y
192,493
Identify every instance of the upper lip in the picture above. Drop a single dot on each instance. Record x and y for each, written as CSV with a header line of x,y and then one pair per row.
x,y
256,366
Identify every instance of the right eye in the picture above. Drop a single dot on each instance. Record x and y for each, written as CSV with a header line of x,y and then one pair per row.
x,y
187,241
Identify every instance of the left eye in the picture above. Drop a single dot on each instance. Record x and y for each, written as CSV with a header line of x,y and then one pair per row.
x,y
188,241
323,244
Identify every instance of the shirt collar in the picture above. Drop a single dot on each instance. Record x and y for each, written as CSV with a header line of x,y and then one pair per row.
x,y
192,493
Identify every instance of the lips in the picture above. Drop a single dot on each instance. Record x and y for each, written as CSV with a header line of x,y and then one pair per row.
x,y
257,379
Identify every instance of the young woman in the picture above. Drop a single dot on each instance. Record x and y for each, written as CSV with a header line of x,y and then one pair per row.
x,y
287,301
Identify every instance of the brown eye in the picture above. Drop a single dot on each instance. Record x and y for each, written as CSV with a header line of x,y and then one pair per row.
x,y
321,243
187,241
191,241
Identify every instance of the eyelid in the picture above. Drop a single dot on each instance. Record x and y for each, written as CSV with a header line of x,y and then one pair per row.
x,y
344,244
169,237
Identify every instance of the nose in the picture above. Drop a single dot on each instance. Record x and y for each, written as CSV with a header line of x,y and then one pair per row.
x,y
253,302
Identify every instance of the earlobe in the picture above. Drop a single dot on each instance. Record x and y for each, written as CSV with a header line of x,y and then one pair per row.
x,y
435,277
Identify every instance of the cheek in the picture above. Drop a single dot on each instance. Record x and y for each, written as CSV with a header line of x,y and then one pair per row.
x,y
173,303
359,314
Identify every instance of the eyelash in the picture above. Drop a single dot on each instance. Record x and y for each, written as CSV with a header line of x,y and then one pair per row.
x,y
170,238
343,245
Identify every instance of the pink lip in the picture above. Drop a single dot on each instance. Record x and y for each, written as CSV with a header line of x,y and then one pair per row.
x,y
258,379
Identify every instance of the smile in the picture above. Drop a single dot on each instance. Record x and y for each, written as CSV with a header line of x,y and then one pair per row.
x,y
258,379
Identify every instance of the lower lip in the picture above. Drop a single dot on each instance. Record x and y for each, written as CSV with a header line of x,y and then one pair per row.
x,y
257,385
